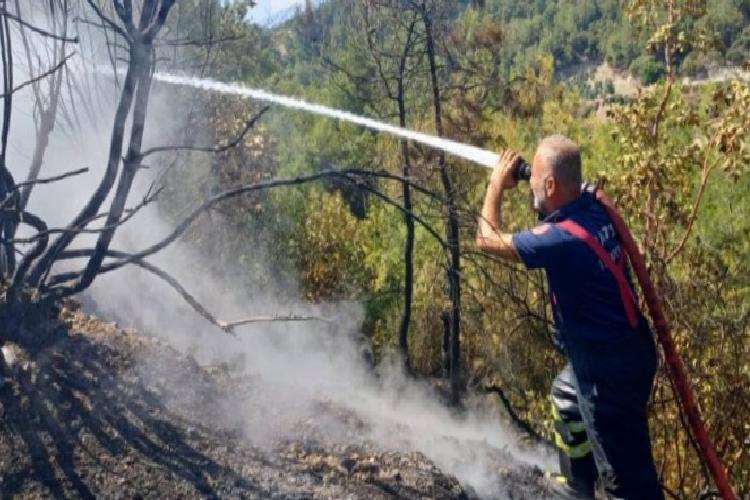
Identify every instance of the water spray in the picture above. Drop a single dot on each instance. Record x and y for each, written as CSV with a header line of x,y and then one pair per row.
x,y
472,153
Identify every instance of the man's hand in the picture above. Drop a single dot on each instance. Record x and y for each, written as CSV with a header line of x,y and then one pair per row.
x,y
490,237
503,177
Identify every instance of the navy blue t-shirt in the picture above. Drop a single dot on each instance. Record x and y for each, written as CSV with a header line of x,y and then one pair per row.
x,y
586,299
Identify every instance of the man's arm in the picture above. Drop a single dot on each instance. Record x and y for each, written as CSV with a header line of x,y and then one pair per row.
x,y
490,237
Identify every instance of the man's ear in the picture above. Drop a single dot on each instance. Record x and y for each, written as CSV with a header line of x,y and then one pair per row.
x,y
550,186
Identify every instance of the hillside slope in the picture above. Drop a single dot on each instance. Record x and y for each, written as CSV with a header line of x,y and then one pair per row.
x,y
101,412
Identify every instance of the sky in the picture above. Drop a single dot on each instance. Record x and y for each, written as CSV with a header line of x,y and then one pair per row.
x,y
266,11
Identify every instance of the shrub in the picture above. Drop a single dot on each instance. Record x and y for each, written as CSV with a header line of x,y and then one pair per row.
x,y
647,69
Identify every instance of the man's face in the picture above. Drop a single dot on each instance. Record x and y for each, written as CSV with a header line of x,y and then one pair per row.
x,y
537,182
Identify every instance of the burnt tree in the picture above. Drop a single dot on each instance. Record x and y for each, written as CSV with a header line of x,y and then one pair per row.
x,y
451,216
388,47
33,287
29,282
394,70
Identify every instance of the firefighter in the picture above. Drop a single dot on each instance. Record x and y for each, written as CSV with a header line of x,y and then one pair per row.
x,y
600,398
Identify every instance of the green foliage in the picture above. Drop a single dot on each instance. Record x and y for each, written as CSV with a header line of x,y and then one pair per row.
x,y
725,21
695,64
673,143
647,69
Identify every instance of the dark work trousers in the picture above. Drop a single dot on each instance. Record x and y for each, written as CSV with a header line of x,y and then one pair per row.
x,y
612,383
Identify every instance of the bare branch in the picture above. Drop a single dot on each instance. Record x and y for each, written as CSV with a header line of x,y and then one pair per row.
x,y
408,213
12,194
159,19
227,327
271,319
50,180
207,149
46,107
44,75
706,172
37,29
522,424
181,227
108,21
89,22
125,12
130,213
187,42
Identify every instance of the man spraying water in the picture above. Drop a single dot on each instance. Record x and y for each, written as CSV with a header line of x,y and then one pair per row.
x,y
600,397
600,434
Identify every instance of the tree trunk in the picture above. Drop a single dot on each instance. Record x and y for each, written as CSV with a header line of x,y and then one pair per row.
x,y
7,183
452,228
403,336
141,60
45,262
47,114
445,318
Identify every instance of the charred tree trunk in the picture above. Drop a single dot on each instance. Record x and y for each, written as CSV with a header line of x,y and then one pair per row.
x,y
392,68
43,265
452,222
445,318
7,183
403,337
135,90
141,60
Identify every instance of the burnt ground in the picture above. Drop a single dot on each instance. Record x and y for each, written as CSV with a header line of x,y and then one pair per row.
x,y
78,419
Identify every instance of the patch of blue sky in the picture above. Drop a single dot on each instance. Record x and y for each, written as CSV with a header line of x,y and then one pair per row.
x,y
271,12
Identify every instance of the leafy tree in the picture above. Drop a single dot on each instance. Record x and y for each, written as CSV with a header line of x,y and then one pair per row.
x,y
670,144
647,69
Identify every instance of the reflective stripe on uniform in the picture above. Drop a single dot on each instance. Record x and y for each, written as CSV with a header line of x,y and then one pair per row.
x,y
573,449
573,426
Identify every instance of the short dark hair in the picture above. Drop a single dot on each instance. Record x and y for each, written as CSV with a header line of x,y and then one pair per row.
x,y
564,159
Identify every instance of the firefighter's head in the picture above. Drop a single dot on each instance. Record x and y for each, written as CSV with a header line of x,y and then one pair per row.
x,y
555,174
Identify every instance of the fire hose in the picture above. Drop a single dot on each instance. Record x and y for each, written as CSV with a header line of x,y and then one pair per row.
x,y
676,368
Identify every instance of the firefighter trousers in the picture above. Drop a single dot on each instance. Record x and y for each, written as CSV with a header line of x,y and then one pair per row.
x,y
600,407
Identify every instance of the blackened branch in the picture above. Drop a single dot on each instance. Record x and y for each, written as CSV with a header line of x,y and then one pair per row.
x,y
63,291
225,326
209,149
521,423
107,21
188,42
270,319
37,29
44,75
129,213
160,273
50,180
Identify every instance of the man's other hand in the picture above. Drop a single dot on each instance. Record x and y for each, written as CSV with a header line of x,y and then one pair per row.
x,y
503,177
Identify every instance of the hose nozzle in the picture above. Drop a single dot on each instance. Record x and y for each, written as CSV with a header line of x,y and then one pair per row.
x,y
523,171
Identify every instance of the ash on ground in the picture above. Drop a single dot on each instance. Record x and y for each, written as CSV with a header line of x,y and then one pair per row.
x,y
82,418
